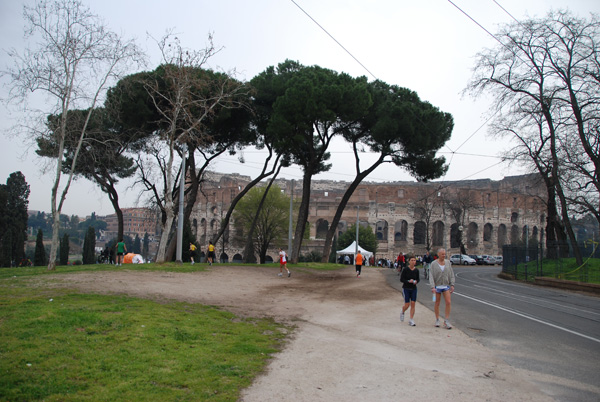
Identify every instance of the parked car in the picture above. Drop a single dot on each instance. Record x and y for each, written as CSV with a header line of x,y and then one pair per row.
x,y
489,259
478,259
499,259
462,259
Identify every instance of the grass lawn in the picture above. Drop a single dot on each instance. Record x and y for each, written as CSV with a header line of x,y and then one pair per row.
x,y
64,345
563,268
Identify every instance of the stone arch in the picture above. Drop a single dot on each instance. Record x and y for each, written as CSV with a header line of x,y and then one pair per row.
x,y
488,231
381,230
472,235
342,227
501,235
203,231
226,234
195,228
238,257
224,257
534,233
400,231
514,234
454,235
419,232
322,229
437,238
214,226
514,217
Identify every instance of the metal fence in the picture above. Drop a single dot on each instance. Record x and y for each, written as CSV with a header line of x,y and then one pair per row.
x,y
526,263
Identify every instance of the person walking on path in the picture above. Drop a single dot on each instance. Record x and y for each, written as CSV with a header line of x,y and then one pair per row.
x,y
192,252
409,278
427,260
441,280
358,261
121,250
283,263
210,253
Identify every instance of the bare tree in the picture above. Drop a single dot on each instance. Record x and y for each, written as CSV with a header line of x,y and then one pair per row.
x,y
459,204
426,206
547,69
74,59
185,97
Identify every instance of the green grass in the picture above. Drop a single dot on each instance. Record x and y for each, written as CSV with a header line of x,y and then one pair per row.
x,y
62,345
563,268
169,266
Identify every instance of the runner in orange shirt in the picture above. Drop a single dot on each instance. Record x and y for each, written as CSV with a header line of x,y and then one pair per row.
x,y
358,260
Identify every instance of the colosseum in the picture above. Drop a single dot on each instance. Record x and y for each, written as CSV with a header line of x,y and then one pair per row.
x,y
409,217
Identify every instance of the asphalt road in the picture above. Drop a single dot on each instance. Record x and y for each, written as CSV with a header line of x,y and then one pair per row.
x,y
540,329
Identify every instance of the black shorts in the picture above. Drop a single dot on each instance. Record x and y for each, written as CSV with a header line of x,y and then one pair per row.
x,y
211,254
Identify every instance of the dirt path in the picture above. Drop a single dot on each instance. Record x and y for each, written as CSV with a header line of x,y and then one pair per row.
x,y
349,344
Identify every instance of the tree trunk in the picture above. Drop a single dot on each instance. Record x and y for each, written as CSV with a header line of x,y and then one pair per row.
x,y
225,221
248,249
341,206
551,221
568,227
164,237
113,196
302,216
55,240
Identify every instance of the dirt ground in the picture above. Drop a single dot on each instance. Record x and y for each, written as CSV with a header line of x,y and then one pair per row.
x,y
349,344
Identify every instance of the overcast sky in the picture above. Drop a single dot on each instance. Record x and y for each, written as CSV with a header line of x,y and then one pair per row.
x,y
426,46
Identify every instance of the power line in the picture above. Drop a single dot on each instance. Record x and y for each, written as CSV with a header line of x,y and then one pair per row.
x,y
509,14
334,39
488,32
478,24
453,153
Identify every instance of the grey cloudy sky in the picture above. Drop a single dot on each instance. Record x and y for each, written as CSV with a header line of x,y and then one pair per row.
x,y
426,46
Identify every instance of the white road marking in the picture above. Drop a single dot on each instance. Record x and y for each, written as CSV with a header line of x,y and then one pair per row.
x,y
529,317
536,301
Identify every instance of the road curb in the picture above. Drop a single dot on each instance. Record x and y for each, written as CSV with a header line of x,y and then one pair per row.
x,y
591,288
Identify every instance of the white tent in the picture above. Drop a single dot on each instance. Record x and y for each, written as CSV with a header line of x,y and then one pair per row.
x,y
351,249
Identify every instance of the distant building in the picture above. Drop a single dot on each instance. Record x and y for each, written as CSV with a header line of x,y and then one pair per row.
x,y
494,213
136,221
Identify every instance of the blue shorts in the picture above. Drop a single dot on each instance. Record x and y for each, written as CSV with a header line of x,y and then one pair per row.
x,y
409,295
441,289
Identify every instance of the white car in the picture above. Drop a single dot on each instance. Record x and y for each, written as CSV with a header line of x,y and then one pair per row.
x,y
499,259
462,259
489,260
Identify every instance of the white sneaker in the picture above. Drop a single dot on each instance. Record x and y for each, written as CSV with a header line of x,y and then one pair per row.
x,y
437,322
447,324
401,317
280,274
411,323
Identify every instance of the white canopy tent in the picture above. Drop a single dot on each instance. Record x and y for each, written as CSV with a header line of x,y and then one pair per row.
x,y
351,249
